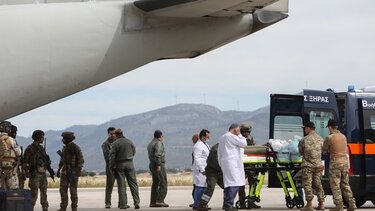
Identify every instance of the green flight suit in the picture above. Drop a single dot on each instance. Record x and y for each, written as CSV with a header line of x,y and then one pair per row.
x,y
110,178
214,176
156,155
121,162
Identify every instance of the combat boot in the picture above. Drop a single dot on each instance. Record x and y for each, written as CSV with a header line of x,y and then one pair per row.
x,y
62,209
308,207
337,208
351,207
321,206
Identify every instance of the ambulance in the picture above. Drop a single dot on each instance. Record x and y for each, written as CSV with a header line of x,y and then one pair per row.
x,y
354,111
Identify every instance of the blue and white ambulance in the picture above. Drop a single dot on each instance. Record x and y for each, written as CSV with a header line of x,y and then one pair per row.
x,y
354,110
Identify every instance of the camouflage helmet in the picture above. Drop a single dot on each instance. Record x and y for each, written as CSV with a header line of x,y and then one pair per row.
x,y
5,127
246,128
69,136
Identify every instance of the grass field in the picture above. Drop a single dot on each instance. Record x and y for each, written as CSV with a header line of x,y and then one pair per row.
x,y
144,180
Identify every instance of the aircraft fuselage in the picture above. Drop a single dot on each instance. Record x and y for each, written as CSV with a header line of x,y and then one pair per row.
x,y
49,51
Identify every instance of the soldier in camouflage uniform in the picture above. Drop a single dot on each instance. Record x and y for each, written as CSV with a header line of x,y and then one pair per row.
x,y
70,167
310,147
36,162
110,179
20,172
156,155
245,130
121,164
8,156
336,145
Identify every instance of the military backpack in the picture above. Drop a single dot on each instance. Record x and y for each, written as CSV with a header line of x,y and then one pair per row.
x,y
7,154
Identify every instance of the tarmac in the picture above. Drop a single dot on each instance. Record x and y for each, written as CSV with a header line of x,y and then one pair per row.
x,y
178,198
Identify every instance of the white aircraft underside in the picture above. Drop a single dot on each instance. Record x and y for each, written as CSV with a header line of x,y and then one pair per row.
x,y
52,50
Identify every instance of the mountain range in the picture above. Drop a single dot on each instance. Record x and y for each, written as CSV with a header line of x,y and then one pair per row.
x,y
178,123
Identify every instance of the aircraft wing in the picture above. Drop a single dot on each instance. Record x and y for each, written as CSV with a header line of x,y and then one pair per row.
x,y
208,8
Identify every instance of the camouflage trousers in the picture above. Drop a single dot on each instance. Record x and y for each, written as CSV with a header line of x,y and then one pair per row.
x,y
339,182
10,180
21,178
311,178
68,181
36,183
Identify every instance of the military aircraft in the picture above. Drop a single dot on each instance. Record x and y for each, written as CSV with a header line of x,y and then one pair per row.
x,y
50,49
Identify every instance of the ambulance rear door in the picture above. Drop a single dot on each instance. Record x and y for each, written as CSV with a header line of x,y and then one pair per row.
x,y
366,117
286,120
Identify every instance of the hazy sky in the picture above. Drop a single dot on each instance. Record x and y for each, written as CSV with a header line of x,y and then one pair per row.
x,y
323,44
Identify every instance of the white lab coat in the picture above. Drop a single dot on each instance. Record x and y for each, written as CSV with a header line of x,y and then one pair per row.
x,y
230,159
200,153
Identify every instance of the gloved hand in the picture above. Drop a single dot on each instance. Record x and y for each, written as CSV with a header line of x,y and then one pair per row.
x,y
78,173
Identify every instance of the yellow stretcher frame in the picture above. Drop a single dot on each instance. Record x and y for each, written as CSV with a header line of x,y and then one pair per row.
x,y
263,165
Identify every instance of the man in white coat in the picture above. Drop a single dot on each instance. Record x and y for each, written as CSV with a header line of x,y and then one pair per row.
x,y
200,152
230,161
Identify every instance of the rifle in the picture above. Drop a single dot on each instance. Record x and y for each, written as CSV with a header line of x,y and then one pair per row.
x,y
22,175
67,166
47,160
58,170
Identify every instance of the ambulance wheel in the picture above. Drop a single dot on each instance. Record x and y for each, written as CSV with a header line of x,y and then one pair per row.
x,y
290,204
299,203
239,205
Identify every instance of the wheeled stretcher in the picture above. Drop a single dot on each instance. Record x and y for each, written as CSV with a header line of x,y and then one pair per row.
x,y
261,159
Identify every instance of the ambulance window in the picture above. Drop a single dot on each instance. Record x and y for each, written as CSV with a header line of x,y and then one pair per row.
x,y
320,119
286,127
369,126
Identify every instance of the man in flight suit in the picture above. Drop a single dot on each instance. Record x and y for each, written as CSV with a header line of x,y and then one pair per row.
x,y
110,179
121,164
214,176
156,155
